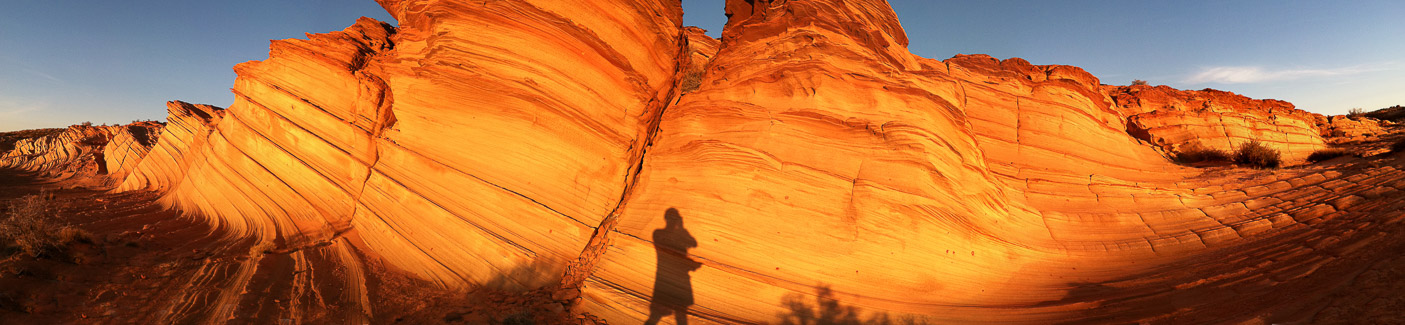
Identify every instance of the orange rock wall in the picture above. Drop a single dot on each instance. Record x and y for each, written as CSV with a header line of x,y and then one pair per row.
x,y
111,151
127,146
48,153
816,155
1343,126
563,95
1173,119
356,130
165,164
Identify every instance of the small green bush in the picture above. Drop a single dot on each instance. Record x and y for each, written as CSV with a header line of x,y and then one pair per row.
x,y
1256,154
1139,82
1196,152
1326,154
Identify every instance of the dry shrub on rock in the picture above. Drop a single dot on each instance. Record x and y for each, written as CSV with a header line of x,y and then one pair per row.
x,y
1256,154
1195,152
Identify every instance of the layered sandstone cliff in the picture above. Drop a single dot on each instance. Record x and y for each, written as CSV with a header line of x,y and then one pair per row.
x,y
1174,119
806,155
84,150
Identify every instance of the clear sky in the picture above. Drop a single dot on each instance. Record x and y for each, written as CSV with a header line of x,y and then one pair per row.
x,y
63,62
1324,56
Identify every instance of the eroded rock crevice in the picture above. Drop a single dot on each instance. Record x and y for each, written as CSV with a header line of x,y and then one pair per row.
x,y
693,55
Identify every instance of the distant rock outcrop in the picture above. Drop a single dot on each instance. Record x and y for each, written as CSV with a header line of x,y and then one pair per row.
x,y
84,150
1173,119
604,147
1343,126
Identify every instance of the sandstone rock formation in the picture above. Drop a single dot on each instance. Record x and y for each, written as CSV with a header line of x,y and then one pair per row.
x,y
805,156
165,163
111,151
1348,127
1173,119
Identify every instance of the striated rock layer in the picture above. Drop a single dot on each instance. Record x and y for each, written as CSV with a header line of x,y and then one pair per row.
x,y
1174,119
806,164
1351,127
84,150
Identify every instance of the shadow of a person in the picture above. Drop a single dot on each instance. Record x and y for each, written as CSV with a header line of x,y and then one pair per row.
x,y
673,286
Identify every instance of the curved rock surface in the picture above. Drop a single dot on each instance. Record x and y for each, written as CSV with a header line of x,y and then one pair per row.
x,y
804,166
1174,119
84,150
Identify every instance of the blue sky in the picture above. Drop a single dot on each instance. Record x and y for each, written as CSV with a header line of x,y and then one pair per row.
x,y
1324,56
63,62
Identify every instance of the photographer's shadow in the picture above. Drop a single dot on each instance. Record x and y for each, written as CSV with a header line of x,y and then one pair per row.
x,y
673,285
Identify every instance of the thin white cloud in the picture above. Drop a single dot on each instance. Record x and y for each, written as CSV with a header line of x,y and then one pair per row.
x,y
15,114
29,68
42,74
1242,74
12,112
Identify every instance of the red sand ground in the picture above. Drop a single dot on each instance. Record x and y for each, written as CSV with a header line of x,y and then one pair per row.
x,y
142,253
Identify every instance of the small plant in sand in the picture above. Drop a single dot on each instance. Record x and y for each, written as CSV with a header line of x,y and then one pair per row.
x,y
1256,154
29,227
1139,82
1196,152
1327,154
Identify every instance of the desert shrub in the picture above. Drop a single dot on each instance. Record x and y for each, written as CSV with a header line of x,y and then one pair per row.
x,y
75,235
691,81
1196,152
1326,154
1355,112
1139,82
30,228
1256,154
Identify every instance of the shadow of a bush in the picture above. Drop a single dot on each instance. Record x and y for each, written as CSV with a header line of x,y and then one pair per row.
x,y
827,310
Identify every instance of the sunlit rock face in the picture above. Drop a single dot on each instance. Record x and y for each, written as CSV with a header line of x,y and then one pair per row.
x,y
815,153
519,126
84,150
805,164
471,141
127,145
1350,127
1174,119
166,163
